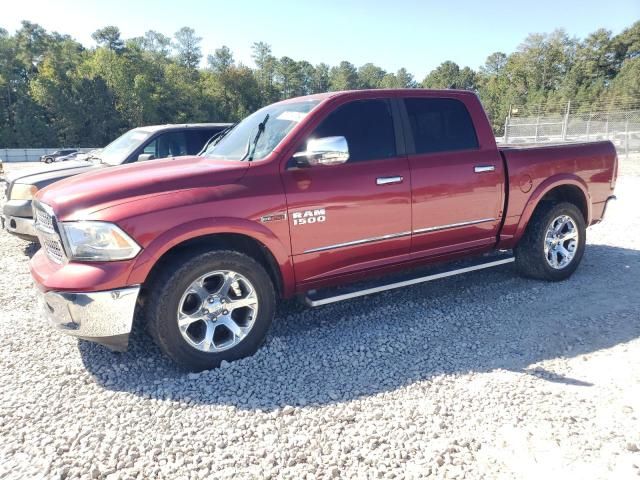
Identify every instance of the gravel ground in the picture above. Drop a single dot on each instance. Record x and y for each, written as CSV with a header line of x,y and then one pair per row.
x,y
483,376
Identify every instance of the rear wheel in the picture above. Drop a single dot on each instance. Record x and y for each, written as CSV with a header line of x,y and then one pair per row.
x,y
209,307
553,244
48,160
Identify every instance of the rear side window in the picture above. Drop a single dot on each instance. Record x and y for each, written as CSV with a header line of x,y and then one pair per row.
x,y
368,127
440,125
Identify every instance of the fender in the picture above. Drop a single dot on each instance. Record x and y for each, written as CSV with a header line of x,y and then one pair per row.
x,y
208,226
544,188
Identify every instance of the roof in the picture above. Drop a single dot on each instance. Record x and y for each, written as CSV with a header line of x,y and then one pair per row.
x,y
364,92
174,126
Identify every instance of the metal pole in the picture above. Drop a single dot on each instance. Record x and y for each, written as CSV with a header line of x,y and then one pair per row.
x,y
588,126
537,124
506,129
626,138
565,123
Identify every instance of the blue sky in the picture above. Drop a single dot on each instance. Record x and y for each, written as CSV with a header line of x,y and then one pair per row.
x,y
418,35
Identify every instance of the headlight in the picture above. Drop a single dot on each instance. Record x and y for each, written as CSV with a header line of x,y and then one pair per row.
x,y
98,241
22,191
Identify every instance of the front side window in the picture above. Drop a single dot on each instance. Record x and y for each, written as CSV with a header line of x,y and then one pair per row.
x,y
440,125
273,122
197,138
368,127
172,144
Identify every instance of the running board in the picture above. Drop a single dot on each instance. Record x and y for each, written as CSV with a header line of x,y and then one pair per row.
x,y
317,298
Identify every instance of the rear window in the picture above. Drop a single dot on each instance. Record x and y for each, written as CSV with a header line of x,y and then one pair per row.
x,y
440,125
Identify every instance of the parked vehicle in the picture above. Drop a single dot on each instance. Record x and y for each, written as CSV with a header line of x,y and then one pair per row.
x,y
71,156
52,157
144,143
304,197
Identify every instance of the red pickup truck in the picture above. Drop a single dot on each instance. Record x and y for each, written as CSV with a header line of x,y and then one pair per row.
x,y
301,197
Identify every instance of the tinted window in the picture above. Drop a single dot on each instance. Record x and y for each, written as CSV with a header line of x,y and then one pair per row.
x,y
440,125
368,127
196,138
171,144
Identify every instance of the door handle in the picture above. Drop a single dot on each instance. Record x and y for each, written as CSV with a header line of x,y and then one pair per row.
x,y
484,168
388,180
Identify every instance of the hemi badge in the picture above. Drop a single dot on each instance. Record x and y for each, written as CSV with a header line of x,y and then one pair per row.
x,y
273,218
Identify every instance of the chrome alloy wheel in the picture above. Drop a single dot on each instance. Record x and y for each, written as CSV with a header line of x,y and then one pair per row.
x,y
561,242
217,311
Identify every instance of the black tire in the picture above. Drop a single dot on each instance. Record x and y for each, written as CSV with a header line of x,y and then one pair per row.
x,y
165,293
48,160
530,254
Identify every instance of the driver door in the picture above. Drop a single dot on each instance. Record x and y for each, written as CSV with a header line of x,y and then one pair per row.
x,y
356,215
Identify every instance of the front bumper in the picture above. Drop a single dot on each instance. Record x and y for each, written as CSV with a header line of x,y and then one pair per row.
x,y
103,317
17,218
20,226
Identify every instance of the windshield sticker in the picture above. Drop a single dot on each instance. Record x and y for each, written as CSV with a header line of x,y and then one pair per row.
x,y
291,116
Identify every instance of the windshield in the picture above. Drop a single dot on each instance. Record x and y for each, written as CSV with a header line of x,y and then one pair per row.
x,y
239,142
117,151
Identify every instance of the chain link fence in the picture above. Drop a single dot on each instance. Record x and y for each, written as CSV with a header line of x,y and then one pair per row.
x,y
622,127
29,154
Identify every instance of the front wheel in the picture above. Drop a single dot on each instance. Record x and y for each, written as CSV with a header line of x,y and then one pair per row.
x,y
553,244
48,160
209,307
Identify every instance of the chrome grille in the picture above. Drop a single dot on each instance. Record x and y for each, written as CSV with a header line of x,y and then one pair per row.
x,y
53,249
45,223
44,220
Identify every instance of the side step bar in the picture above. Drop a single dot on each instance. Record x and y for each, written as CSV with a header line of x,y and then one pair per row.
x,y
315,298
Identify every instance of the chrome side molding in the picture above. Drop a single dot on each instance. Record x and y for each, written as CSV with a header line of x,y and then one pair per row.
x,y
453,225
358,242
398,235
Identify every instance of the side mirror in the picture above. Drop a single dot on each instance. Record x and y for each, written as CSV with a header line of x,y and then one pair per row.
x,y
143,157
323,151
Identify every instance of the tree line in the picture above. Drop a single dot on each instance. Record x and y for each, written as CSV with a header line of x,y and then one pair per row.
x,y
56,92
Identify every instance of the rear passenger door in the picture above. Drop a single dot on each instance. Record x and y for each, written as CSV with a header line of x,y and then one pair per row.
x,y
457,185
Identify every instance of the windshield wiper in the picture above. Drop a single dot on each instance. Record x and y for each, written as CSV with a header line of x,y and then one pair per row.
x,y
94,157
213,141
252,150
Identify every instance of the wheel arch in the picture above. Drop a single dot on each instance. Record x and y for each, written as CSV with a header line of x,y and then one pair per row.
x,y
569,188
240,235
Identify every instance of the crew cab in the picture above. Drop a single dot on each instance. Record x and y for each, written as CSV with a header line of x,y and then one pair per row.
x,y
142,143
304,197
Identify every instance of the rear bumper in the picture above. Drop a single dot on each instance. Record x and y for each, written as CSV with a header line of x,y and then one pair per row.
x,y
103,317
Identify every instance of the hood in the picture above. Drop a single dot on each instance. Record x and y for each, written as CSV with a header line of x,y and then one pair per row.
x,y
111,186
43,176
